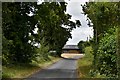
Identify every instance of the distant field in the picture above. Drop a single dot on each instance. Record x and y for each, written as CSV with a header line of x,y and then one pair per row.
x,y
70,55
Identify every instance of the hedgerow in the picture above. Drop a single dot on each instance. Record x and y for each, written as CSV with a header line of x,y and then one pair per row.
x,y
106,54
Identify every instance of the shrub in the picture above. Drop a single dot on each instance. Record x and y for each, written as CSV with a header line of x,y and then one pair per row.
x,y
42,54
106,55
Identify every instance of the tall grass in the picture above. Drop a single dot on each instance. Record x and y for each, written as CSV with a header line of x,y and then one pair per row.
x,y
86,67
85,63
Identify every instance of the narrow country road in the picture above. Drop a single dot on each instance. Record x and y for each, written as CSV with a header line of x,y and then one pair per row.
x,y
64,69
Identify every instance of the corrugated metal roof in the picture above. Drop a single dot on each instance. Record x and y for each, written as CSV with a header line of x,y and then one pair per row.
x,y
70,47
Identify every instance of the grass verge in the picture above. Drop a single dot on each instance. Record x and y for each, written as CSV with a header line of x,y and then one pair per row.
x,y
25,70
85,64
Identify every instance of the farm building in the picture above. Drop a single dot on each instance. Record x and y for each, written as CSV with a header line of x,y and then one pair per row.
x,y
71,49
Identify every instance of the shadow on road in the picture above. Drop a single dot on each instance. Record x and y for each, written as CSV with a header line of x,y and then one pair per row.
x,y
69,58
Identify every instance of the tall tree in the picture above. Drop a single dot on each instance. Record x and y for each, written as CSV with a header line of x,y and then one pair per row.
x,y
20,19
17,25
54,24
103,15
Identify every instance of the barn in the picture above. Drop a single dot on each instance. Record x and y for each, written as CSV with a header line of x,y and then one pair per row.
x,y
72,49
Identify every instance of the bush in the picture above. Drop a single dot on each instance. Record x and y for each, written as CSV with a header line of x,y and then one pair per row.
x,y
6,47
42,54
82,45
106,55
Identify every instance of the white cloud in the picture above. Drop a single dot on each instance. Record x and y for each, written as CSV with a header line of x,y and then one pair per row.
x,y
75,9
76,0
79,34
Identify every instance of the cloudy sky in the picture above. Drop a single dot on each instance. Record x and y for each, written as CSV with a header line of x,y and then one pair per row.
x,y
74,8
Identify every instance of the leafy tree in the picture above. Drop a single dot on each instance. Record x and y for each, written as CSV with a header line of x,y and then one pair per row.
x,y
81,46
103,15
17,25
51,19
18,29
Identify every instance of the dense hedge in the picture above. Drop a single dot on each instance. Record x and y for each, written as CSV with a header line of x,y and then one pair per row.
x,y
106,55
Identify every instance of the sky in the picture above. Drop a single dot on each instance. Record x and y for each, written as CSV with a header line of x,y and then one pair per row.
x,y
74,8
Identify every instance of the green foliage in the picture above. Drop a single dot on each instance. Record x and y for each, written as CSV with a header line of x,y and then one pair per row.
x,y
118,51
42,54
82,45
51,19
103,16
106,55
85,63
18,30
6,50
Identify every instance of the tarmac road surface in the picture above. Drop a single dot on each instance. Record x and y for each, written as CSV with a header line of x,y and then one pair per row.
x,y
64,69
